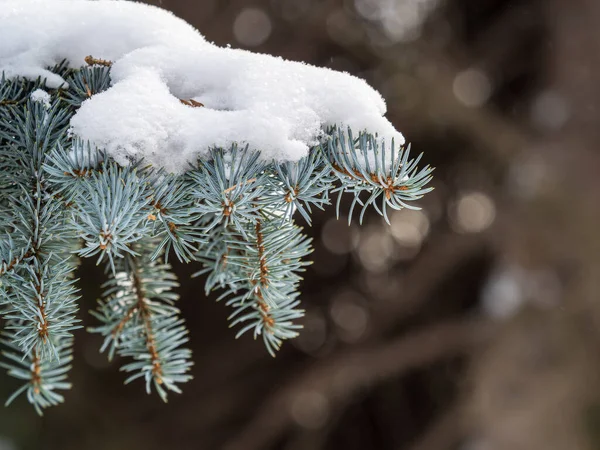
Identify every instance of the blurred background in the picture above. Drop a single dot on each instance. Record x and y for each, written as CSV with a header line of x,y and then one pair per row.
x,y
473,324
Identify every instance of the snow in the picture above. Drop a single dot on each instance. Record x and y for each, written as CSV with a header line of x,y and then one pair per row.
x,y
39,95
273,105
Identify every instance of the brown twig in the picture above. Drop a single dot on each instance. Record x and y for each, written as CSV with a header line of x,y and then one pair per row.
x,y
191,102
141,307
36,372
264,270
105,240
124,321
387,185
80,173
289,197
88,91
42,317
263,308
7,267
228,204
91,61
146,315
229,189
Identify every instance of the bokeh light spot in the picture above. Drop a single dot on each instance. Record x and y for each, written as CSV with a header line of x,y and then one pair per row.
x,y
349,316
549,111
310,410
375,249
472,87
472,212
252,27
409,228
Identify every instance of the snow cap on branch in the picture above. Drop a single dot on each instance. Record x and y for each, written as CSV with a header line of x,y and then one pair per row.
x,y
276,106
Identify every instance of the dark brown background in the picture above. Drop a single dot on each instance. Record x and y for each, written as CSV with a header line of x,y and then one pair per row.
x,y
471,326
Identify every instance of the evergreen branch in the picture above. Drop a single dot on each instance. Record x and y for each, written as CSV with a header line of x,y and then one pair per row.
x,y
86,82
111,212
274,324
222,187
364,165
11,256
13,92
43,302
214,258
37,130
298,186
232,212
263,269
146,315
39,297
174,214
138,320
8,265
263,279
66,169
42,377
43,307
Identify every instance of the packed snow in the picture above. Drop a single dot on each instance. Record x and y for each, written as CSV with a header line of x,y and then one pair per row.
x,y
40,95
273,105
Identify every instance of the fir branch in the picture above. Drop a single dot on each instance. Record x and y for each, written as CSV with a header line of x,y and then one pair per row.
x,y
214,257
111,212
39,297
8,265
232,212
139,321
263,280
42,287
68,167
43,378
13,92
226,187
86,82
144,311
262,261
365,165
297,186
43,306
174,216
11,255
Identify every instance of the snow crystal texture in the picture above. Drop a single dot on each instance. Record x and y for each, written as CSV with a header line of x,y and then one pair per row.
x,y
39,95
273,105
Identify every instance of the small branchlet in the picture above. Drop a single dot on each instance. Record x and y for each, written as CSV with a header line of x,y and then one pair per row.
x,y
387,176
139,321
91,61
